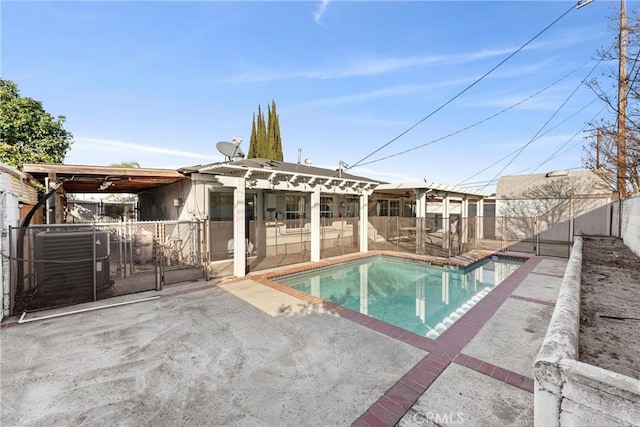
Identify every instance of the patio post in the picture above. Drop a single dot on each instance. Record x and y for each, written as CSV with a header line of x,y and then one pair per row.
x,y
480,219
364,222
446,226
421,215
315,224
239,235
464,217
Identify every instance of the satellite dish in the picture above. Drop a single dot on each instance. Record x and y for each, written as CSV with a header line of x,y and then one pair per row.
x,y
230,150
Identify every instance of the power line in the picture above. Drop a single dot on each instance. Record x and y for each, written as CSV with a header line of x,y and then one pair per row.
x,y
534,139
464,90
553,155
486,119
548,121
552,128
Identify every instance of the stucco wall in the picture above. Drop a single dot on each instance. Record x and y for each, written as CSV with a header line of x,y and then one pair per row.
x,y
158,204
631,223
569,392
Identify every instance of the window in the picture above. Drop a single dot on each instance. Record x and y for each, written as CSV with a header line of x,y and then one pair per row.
x,y
351,208
220,206
383,208
326,207
394,207
296,207
388,207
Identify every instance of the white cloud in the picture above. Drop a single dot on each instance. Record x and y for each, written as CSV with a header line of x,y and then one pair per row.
x,y
322,8
388,92
368,66
374,66
111,145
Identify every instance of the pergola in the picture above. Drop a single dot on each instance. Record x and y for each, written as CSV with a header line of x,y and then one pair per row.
x,y
261,174
422,191
98,179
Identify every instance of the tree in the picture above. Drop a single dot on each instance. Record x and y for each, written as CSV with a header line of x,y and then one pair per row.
x,y
262,150
28,134
601,152
601,156
265,141
127,164
253,141
275,141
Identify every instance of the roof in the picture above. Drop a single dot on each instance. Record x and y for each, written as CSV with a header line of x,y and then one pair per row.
x,y
432,188
104,179
268,167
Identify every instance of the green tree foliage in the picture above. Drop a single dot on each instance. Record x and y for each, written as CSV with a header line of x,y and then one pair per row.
x,y
253,141
275,140
262,150
28,134
265,142
127,164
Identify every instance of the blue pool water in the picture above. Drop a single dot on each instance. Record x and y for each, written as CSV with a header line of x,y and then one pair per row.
x,y
419,297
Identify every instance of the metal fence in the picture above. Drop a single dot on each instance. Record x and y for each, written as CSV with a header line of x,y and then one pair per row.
x,y
339,236
436,236
275,243
58,265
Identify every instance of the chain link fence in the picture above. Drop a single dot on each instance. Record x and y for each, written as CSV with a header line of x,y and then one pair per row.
x,y
59,265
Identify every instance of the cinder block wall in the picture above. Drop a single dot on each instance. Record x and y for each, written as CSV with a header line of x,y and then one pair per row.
x,y
631,223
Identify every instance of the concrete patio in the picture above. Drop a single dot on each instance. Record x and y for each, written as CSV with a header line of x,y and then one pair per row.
x,y
251,352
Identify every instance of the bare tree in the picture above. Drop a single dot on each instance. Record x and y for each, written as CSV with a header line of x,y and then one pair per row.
x,y
601,152
601,156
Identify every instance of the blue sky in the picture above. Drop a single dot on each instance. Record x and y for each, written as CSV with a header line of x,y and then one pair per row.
x,y
160,83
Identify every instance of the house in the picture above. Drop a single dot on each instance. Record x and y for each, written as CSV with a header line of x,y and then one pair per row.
x,y
256,210
553,207
259,207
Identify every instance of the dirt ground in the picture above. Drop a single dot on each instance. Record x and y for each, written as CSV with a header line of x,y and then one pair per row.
x,y
610,306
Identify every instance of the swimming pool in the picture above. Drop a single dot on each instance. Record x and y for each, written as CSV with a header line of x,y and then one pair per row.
x,y
419,297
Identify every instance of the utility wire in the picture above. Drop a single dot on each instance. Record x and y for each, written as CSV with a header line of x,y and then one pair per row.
x,y
550,129
547,122
464,183
464,90
486,119
553,155
535,139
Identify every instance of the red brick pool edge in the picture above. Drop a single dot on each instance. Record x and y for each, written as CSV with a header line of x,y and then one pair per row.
x,y
443,351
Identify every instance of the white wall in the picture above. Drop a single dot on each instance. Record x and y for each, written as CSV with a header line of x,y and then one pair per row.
x,y
9,216
631,223
158,204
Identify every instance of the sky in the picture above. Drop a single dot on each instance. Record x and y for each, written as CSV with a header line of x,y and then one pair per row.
x,y
400,91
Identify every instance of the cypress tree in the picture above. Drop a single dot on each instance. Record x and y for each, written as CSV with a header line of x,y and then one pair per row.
x,y
266,142
262,142
271,134
276,138
253,141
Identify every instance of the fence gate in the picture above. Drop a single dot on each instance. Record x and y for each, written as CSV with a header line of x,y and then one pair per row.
x,y
60,265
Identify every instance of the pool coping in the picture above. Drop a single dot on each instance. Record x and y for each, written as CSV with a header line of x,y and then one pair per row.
x,y
444,350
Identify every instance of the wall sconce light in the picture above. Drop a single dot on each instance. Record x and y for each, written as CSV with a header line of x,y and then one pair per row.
x,y
177,202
